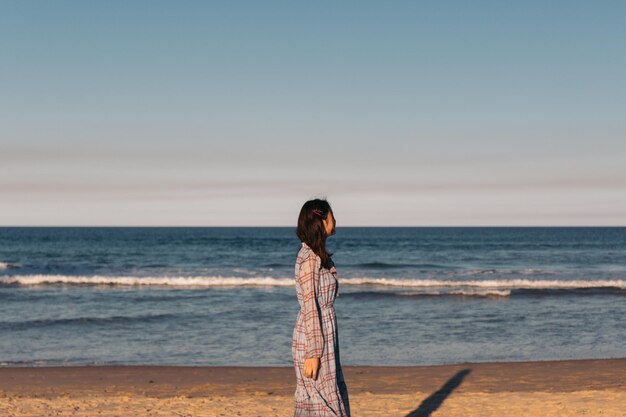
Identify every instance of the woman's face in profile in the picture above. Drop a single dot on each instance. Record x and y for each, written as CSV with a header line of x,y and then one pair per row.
x,y
329,224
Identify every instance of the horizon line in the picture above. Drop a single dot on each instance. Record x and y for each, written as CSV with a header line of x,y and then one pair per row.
x,y
289,226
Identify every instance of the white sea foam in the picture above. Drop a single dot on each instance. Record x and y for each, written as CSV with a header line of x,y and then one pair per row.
x,y
219,281
493,283
201,281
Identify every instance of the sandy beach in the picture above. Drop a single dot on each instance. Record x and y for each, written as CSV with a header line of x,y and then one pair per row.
x,y
543,388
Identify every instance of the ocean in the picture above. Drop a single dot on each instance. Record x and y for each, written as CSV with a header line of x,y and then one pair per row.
x,y
226,295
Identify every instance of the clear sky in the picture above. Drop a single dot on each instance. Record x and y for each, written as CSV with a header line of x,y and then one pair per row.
x,y
215,113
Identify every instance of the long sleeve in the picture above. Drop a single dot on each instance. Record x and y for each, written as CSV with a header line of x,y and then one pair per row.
x,y
308,278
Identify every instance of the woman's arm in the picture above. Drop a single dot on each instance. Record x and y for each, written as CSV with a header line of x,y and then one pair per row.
x,y
308,278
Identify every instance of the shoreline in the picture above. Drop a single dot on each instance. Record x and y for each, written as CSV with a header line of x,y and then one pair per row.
x,y
556,387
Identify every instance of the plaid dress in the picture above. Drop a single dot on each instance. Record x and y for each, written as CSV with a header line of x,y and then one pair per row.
x,y
315,335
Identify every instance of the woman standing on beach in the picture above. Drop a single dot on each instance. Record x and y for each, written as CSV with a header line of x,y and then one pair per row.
x,y
320,386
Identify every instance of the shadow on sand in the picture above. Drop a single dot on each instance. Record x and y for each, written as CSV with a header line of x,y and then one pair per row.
x,y
433,402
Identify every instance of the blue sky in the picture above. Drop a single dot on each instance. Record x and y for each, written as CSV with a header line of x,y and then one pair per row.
x,y
235,113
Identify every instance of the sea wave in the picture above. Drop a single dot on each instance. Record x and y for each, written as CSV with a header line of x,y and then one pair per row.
x,y
387,265
199,281
500,272
429,293
520,283
7,265
80,321
218,281
489,292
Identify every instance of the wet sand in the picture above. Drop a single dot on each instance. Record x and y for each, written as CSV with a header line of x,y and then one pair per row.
x,y
542,388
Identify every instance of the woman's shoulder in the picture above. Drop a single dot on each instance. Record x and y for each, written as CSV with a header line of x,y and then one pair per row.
x,y
305,253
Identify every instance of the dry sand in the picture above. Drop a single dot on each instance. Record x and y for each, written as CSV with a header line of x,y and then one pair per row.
x,y
542,389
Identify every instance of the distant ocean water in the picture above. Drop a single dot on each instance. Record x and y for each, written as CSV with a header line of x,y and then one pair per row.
x,y
225,296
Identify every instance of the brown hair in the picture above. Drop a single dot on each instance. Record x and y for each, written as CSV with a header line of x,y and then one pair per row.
x,y
311,228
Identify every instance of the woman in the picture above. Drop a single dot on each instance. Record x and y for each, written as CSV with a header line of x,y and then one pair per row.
x,y
320,386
